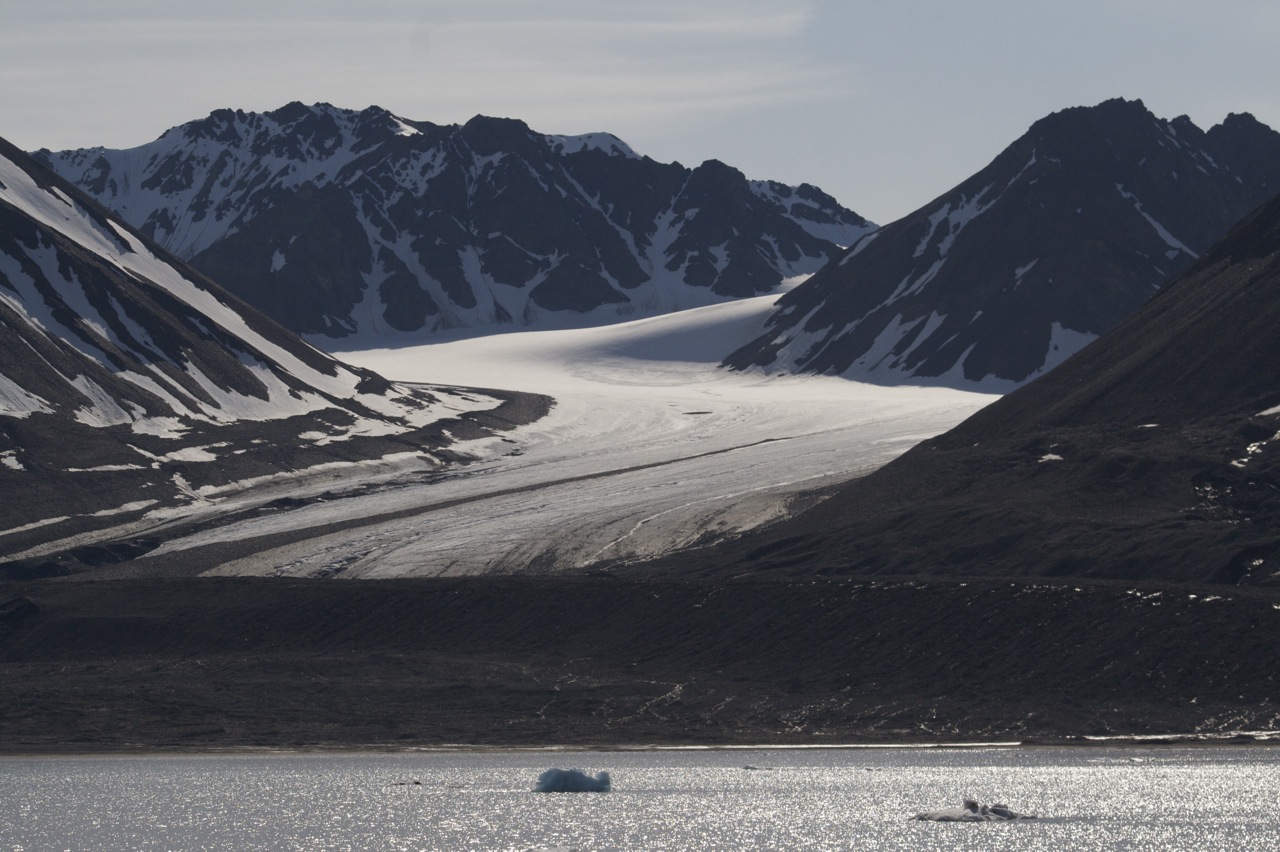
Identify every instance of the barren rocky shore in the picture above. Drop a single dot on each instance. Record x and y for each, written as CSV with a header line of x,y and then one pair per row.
x,y
209,663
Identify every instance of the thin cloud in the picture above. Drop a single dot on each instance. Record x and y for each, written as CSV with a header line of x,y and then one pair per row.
x,y
563,65
884,105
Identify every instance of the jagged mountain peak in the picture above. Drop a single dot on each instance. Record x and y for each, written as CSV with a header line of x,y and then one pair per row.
x,y
1105,110
1068,231
1238,121
1102,124
294,135
488,136
482,125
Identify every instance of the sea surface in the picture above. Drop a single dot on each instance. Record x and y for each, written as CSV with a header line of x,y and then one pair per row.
x,y
1160,798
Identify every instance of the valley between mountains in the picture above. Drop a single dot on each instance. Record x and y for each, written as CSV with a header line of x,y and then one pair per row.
x,y
779,512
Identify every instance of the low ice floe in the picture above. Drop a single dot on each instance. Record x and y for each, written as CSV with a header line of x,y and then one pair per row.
x,y
971,811
572,781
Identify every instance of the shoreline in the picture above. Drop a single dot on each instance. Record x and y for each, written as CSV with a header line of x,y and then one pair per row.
x,y
1235,740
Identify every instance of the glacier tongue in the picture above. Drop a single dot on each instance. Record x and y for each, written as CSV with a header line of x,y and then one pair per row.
x,y
650,448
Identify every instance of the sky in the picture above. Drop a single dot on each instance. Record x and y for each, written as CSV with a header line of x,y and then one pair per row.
x,y
883,104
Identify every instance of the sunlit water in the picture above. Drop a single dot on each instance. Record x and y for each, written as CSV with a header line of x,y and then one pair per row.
x,y
1132,799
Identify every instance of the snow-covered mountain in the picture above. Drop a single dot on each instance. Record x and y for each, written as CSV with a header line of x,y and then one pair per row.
x,y
130,383
1067,232
338,223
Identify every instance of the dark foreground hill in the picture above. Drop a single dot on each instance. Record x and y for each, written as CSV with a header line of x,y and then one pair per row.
x,y
1152,454
218,663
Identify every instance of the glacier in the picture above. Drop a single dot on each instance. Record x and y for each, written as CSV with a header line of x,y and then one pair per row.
x,y
650,448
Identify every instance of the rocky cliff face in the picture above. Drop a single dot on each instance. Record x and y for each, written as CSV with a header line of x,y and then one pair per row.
x,y
1069,231
340,223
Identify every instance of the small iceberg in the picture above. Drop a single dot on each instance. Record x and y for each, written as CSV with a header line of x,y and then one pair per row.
x,y
572,781
971,811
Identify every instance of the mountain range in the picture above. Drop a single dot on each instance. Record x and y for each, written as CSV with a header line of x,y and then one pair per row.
x,y
340,223
131,384
354,225
1066,233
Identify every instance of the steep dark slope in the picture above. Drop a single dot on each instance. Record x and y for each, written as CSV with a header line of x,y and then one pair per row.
x,y
1066,233
1151,454
336,222
130,384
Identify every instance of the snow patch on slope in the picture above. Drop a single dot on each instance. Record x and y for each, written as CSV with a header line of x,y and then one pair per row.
x,y
17,402
102,410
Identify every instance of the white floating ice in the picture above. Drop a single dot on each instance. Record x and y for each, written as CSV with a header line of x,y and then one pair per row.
x,y
572,781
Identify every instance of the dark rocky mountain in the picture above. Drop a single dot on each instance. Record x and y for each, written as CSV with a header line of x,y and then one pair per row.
x,y
130,384
1153,454
1067,232
337,222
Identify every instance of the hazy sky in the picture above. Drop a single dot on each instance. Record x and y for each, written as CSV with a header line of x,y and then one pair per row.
x,y
884,104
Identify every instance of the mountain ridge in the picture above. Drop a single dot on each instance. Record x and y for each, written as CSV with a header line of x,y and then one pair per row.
x,y
408,227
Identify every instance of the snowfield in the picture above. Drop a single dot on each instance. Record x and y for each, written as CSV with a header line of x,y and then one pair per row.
x,y
649,448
